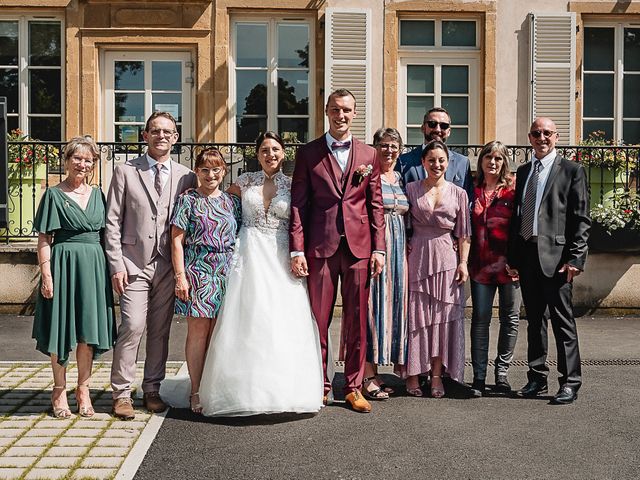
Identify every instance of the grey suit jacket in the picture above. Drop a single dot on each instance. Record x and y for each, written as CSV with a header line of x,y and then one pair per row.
x,y
458,172
132,229
563,218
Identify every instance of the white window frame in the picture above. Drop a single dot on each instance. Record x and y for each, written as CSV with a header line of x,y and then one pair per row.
x,y
272,70
109,58
24,68
438,56
618,78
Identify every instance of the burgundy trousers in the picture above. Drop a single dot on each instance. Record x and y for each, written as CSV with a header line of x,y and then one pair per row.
x,y
323,287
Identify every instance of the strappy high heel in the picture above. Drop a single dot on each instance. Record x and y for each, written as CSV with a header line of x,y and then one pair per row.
x,y
60,412
195,407
437,392
84,410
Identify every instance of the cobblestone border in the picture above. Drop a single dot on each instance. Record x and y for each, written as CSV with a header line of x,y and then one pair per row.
x,y
34,445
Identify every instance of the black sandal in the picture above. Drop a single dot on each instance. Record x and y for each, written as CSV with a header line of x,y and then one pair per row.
x,y
377,393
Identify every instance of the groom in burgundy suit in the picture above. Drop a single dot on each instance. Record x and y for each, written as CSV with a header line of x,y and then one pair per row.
x,y
337,232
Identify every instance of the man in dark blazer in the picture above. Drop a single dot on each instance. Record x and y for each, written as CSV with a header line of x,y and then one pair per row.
x,y
337,232
436,126
547,249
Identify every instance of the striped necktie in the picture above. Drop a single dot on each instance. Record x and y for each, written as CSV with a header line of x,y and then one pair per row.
x,y
528,210
157,183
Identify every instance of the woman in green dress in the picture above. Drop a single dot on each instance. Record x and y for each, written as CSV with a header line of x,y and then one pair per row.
x,y
75,303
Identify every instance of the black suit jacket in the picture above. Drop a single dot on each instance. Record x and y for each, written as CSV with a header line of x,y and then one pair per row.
x,y
563,218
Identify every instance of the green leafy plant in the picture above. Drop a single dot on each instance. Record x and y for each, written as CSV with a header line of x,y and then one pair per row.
x,y
622,211
25,157
601,152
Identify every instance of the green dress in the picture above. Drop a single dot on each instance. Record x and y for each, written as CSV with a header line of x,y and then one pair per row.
x,y
81,310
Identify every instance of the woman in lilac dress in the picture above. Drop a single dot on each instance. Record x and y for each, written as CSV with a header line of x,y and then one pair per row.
x,y
439,215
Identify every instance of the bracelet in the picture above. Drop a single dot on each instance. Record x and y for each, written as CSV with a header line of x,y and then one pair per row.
x,y
43,262
177,274
464,261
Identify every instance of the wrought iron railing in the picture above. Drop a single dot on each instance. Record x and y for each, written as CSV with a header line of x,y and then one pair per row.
x,y
27,183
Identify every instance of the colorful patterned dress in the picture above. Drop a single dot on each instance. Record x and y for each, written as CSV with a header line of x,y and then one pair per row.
x,y
210,225
436,301
387,319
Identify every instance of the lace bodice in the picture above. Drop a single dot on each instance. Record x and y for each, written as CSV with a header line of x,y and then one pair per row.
x,y
276,218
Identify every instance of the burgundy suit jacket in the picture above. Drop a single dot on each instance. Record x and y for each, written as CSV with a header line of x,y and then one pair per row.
x,y
319,198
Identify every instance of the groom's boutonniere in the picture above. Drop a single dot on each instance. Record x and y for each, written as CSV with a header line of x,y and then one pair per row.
x,y
362,172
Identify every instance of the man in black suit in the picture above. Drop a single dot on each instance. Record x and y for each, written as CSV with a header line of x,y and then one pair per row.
x,y
547,249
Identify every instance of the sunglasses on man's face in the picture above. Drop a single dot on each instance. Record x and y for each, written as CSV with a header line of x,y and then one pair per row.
x,y
434,124
539,133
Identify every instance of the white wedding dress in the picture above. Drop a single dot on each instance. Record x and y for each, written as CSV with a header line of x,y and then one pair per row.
x,y
264,355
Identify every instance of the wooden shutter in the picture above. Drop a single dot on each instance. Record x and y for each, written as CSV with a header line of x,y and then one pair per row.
x,y
347,58
553,62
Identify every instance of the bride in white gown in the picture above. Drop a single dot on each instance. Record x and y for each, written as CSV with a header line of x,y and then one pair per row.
x,y
264,355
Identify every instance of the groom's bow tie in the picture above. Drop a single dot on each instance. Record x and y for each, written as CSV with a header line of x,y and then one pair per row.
x,y
337,145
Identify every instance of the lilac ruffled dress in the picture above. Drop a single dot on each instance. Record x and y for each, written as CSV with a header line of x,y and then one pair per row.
x,y
436,301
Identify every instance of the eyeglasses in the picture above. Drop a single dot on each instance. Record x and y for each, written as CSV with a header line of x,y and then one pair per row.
x,y
214,170
161,133
87,161
434,124
539,133
389,146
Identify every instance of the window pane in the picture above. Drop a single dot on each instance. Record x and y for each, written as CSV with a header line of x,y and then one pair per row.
x,y
455,79
598,95
631,132
598,48
294,130
166,75
459,136
591,126
128,133
44,43
47,128
419,78
417,33
129,75
12,123
249,128
251,88
417,107
458,108
458,34
44,91
129,107
8,43
168,102
293,93
631,94
414,136
251,45
293,45
632,50
9,88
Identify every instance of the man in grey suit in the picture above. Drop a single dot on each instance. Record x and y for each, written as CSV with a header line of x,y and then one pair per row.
x,y
139,205
436,126
548,249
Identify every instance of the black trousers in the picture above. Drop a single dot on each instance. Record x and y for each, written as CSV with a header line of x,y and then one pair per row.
x,y
549,298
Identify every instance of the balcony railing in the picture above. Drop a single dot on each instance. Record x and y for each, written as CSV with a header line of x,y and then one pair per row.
x,y
26,183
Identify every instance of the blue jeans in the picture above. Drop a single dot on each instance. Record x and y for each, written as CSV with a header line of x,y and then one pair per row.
x,y
509,312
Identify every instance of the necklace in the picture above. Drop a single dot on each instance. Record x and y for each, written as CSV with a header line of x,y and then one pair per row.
x,y
81,190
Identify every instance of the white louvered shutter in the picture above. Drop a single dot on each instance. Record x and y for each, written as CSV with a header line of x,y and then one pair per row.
x,y
347,61
553,61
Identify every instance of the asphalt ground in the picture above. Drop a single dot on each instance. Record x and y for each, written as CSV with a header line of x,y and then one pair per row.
x,y
493,437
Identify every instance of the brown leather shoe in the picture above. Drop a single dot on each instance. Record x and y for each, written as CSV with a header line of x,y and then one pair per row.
x,y
153,402
358,402
123,408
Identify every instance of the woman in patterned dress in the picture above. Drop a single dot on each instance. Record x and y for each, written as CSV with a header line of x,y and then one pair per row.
x,y
205,222
439,217
387,319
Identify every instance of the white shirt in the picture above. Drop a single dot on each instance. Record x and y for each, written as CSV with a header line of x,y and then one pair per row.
x,y
543,175
341,154
165,171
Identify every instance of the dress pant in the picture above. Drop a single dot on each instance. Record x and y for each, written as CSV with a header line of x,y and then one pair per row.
x,y
322,283
546,297
148,301
482,296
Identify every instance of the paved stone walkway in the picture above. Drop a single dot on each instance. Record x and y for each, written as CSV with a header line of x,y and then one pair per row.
x,y
34,445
